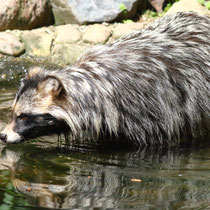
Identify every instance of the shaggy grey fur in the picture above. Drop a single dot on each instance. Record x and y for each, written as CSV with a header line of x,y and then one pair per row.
x,y
151,87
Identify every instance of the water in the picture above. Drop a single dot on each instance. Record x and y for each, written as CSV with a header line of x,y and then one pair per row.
x,y
40,175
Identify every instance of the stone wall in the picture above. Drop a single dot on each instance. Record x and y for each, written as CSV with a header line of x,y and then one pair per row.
x,y
62,44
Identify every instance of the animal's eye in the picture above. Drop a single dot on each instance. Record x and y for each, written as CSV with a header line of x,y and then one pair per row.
x,y
51,122
22,116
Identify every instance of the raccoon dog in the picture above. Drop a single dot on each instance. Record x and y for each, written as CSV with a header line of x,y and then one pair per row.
x,y
150,87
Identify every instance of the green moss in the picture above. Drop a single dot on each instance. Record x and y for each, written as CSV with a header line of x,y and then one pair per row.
x,y
207,5
202,2
123,8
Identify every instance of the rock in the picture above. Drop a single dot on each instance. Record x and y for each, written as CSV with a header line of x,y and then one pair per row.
x,y
82,11
10,45
157,4
38,42
188,5
19,14
97,34
122,29
67,33
67,53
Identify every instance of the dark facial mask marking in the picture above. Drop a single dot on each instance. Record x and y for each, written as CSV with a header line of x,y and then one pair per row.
x,y
35,125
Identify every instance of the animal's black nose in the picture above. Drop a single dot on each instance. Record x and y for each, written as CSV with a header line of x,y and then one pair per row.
x,y
3,137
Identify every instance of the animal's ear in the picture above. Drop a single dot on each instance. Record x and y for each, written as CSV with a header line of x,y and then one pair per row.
x,y
50,86
34,71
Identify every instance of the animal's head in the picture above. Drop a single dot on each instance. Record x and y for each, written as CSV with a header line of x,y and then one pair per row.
x,y
36,100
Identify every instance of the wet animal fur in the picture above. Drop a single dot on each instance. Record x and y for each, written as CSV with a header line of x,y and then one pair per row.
x,y
151,87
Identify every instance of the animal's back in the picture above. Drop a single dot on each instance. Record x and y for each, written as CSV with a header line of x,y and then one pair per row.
x,y
150,87
158,79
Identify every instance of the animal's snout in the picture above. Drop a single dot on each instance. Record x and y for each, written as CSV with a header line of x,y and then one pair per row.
x,y
3,137
8,135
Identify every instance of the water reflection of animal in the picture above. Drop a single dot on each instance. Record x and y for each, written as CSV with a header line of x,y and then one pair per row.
x,y
150,87
71,180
